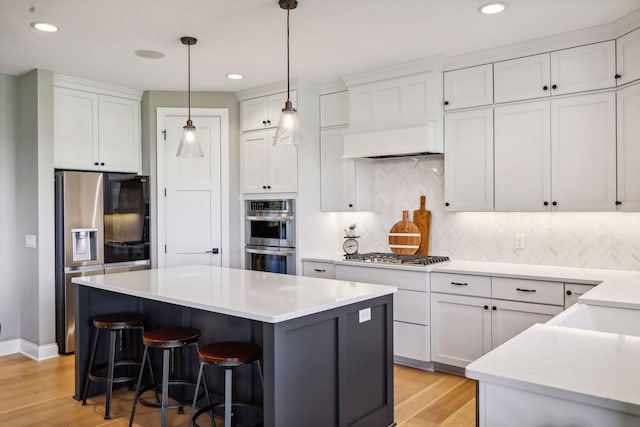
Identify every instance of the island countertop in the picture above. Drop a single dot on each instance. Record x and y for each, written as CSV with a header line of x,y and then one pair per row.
x,y
255,295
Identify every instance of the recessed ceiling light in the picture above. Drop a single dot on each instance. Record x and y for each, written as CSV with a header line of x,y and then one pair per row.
x,y
149,54
43,26
235,76
492,8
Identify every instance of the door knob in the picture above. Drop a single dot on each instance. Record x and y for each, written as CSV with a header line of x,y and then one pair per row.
x,y
213,251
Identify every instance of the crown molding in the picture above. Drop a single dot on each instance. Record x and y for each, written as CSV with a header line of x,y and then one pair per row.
x,y
280,87
69,82
403,69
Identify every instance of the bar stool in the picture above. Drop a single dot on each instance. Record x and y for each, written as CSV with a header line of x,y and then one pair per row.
x,y
114,323
230,355
167,340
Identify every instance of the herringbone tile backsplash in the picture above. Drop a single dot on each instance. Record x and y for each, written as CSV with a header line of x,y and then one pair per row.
x,y
597,240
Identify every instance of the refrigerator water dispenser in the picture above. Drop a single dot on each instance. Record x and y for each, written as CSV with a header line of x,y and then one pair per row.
x,y
84,242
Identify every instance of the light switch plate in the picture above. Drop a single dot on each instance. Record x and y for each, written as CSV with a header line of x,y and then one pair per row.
x,y
364,315
30,241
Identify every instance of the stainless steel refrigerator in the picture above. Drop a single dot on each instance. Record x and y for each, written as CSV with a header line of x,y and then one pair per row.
x,y
101,227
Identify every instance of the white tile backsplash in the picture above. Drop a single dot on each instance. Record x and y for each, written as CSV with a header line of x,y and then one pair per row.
x,y
597,240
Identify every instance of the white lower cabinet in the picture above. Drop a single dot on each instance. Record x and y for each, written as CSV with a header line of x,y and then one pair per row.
x,y
509,318
411,330
325,270
461,328
469,321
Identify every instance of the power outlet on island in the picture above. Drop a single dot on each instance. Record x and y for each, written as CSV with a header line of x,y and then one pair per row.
x,y
364,315
519,241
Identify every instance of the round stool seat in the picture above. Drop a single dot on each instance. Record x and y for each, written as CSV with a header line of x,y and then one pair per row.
x,y
171,337
118,320
230,353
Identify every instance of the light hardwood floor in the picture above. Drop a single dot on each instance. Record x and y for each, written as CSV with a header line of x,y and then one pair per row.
x,y
39,394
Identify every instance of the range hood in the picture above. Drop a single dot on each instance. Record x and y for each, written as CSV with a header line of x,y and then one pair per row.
x,y
402,142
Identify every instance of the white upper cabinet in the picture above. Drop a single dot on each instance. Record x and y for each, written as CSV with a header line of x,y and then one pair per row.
x,y
334,109
629,148
522,157
265,168
468,161
583,68
263,112
522,78
583,153
468,87
75,129
346,184
95,131
628,57
119,130
404,101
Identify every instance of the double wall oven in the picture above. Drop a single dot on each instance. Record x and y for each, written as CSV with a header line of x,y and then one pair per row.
x,y
270,236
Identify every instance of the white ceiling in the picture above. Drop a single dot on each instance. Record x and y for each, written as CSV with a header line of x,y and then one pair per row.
x,y
329,38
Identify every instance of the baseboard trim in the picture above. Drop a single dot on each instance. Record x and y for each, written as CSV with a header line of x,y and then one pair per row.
x,y
29,349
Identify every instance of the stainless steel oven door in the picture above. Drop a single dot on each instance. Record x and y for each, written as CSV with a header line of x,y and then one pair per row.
x,y
270,230
270,259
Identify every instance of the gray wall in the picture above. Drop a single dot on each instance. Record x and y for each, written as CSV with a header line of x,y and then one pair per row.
x,y
35,206
151,100
9,289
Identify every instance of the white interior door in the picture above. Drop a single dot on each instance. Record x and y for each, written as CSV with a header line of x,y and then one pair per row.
x,y
192,220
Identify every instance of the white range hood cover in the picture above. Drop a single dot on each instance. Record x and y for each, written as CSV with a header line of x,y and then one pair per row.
x,y
412,141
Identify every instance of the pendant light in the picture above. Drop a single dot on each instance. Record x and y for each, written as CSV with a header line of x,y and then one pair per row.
x,y
288,131
189,143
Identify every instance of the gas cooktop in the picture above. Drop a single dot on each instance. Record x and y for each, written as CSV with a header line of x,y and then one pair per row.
x,y
391,258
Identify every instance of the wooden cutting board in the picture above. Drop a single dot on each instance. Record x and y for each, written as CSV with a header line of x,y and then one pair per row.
x,y
404,236
422,220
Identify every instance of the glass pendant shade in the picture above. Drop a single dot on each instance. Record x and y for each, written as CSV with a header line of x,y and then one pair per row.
x,y
288,131
189,143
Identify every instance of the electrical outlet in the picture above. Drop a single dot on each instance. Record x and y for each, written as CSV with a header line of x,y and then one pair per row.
x,y
519,241
364,315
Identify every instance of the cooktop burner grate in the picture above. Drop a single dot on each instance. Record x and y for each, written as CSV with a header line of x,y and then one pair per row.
x,y
391,258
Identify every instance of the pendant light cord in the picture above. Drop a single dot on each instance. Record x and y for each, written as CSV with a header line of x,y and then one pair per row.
x,y
189,78
288,78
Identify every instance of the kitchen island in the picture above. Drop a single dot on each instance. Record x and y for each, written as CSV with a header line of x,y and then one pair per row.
x,y
328,352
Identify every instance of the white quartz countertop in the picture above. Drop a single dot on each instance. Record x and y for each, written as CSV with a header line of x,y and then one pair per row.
x,y
591,367
266,297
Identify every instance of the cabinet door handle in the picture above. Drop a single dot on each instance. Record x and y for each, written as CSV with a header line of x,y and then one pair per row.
x,y
446,204
494,308
554,86
268,122
554,203
268,187
545,87
617,76
350,205
525,290
546,203
446,102
618,202
264,187
264,122
459,284
101,163
569,292
486,307
96,163
320,270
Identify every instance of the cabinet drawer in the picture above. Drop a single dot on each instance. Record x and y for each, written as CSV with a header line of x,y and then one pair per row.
x,y
326,270
411,306
461,284
411,341
410,280
527,290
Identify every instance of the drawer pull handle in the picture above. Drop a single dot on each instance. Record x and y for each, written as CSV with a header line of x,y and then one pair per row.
x,y
525,290
459,284
320,270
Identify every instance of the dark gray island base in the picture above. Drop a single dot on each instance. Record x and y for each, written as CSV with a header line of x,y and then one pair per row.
x,y
322,369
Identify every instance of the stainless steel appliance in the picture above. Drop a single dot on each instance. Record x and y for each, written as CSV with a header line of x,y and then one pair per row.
x,y
102,226
270,231
391,258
